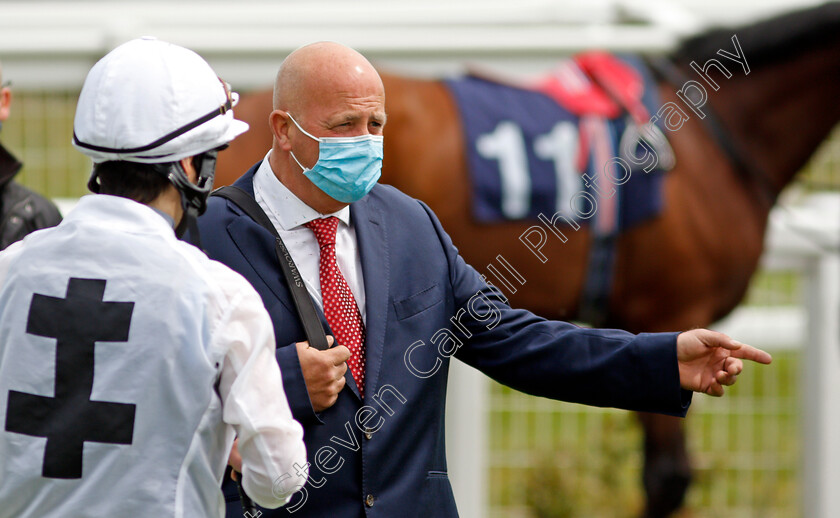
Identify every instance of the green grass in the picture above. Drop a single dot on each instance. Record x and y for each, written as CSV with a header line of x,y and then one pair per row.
x,y
775,288
39,132
557,460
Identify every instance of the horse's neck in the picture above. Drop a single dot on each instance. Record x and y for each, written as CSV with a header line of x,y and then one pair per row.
x,y
781,112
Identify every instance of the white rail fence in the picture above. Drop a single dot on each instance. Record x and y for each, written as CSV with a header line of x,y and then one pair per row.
x,y
52,44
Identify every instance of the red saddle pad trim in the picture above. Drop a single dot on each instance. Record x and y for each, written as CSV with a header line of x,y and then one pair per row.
x,y
596,83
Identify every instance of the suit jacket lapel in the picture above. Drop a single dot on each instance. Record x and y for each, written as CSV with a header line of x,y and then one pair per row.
x,y
273,275
372,238
259,257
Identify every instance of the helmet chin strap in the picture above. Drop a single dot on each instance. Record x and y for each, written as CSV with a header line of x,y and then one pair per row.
x,y
189,221
193,195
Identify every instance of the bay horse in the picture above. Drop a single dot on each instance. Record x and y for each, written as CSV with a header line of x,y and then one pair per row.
x,y
687,267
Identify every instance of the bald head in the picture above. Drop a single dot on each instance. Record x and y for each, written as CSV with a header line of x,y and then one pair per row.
x,y
317,69
322,90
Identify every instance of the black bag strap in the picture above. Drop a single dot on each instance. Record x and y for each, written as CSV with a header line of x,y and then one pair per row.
x,y
303,302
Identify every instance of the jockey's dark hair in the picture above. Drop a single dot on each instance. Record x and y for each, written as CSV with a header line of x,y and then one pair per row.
x,y
774,39
139,182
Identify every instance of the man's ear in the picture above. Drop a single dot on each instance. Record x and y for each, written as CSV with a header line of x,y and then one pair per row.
x,y
5,103
278,121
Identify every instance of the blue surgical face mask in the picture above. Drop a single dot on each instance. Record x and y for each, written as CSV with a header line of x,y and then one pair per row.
x,y
347,167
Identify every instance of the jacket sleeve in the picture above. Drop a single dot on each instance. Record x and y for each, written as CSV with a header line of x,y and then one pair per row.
x,y
24,212
558,360
295,385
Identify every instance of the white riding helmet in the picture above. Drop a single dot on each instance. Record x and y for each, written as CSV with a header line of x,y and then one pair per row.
x,y
153,102
149,101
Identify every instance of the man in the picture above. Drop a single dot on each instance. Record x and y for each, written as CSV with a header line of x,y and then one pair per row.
x,y
128,359
375,438
21,211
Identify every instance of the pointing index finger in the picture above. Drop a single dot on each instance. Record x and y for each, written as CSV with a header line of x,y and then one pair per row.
x,y
748,352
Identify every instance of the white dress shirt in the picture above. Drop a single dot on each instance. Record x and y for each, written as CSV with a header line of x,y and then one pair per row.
x,y
288,214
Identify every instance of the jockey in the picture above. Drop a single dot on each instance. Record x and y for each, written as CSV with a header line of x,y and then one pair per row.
x,y
129,361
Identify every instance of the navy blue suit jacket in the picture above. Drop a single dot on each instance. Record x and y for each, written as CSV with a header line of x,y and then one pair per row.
x,y
385,456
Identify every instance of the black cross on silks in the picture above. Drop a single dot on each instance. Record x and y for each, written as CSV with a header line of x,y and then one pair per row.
x,y
71,418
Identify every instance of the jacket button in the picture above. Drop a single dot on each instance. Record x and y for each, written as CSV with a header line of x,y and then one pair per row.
x,y
369,501
368,435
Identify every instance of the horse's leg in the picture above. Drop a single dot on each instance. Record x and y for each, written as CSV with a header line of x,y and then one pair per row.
x,y
667,470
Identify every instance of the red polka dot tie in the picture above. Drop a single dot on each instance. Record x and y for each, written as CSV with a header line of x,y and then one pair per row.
x,y
340,307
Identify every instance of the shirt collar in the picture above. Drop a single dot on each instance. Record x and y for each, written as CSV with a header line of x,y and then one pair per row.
x,y
291,212
169,219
